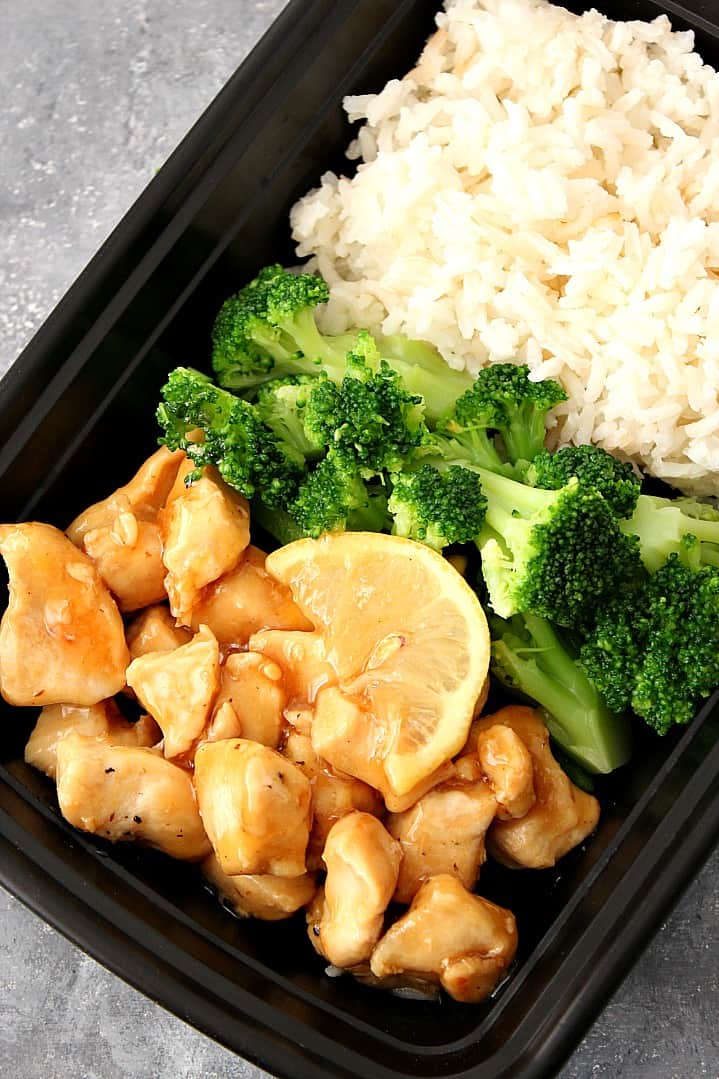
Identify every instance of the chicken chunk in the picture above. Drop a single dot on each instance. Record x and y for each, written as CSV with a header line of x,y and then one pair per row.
x,y
562,815
251,687
154,630
128,792
452,937
302,657
256,806
102,721
444,832
205,528
178,689
261,895
61,637
507,765
246,600
334,794
122,536
143,496
362,864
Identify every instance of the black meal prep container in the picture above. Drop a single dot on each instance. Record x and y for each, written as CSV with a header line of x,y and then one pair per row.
x,y
76,413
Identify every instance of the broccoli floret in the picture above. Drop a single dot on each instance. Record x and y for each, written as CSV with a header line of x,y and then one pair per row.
x,y
504,398
268,330
424,371
369,416
246,453
335,498
615,480
559,554
530,658
437,508
661,524
658,650
281,405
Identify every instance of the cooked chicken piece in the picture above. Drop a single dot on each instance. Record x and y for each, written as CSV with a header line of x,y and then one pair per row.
x,y
452,937
251,687
261,895
103,721
122,536
128,556
61,637
444,831
362,865
127,792
256,806
562,815
205,528
334,794
178,688
507,765
154,630
247,600
143,496
301,656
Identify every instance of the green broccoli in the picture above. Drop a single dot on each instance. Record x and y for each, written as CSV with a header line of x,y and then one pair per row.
x,y
559,554
504,398
437,508
368,416
248,456
334,498
530,658
657,650
615,480
268,330
660,525
281,405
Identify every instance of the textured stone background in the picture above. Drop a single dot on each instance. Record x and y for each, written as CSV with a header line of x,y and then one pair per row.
x,y
95,96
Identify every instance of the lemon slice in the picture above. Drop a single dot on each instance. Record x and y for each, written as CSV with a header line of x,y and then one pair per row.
x,y
409,642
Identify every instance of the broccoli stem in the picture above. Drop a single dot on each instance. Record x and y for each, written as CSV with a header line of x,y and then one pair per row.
x,y
277,522
524,437
536,663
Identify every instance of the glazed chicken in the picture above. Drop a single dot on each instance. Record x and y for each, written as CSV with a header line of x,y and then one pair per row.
x,y
122,536
347,916
334,794
507,766
103,721
251,700
263,895
127,792
451,937
205,528
154,630
178,689
444,831
246,600
562,815
61,637
256,807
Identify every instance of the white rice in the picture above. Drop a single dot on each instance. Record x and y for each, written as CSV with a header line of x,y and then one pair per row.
x,y
544,188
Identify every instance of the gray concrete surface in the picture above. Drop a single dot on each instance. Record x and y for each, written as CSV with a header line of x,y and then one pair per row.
x,y
95,95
